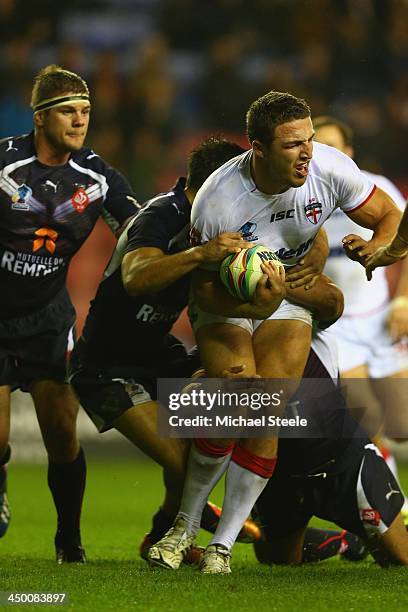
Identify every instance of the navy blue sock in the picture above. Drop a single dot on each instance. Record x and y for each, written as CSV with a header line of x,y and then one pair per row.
x,y
67,484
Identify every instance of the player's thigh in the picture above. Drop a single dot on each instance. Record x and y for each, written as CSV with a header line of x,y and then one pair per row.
x,y
281,348
4,418
55,403
392,393
139,425
223,345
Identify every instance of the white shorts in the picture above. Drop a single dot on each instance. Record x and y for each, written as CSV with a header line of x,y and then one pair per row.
x,y
364,340
286,311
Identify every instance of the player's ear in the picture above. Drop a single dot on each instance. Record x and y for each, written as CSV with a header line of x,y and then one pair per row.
x,y
258,148
38,119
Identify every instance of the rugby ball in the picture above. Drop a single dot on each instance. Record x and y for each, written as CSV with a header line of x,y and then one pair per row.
x,y
240,272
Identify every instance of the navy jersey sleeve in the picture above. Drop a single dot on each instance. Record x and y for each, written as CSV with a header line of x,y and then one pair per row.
x,y
156,226
120,202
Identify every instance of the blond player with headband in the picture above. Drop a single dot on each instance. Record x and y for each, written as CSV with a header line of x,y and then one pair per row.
x,y
52,192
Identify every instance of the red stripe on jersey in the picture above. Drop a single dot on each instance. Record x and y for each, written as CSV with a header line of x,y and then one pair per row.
x,y
362,203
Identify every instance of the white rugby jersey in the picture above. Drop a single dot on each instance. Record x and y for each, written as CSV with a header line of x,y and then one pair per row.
x,y
229,201
361,296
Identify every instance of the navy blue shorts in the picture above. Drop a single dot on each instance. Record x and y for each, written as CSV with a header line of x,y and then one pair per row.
x,y
34,347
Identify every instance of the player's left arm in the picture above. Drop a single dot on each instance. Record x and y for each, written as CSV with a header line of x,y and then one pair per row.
x,y
395,250
120,202
379,214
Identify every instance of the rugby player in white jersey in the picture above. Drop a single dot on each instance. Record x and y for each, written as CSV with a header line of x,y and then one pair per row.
x,y
371,334
279,193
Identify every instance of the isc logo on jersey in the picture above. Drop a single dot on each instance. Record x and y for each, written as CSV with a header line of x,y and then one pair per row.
x,y
282,214
240,272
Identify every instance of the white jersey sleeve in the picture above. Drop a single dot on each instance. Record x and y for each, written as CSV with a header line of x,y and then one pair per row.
x,y
386,185
353,187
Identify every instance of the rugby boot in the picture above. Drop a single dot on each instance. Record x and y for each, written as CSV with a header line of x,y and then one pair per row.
x,y
69,551
191,557
216,560
170,551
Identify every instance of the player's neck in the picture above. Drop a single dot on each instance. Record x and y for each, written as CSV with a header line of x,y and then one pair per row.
x,y
263,180
47,154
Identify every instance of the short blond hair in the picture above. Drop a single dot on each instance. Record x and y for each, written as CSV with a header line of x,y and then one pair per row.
x,y
54,80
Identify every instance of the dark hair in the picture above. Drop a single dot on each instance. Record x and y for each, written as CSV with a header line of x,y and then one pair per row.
x,y
271,110
345,130
207,157
54,80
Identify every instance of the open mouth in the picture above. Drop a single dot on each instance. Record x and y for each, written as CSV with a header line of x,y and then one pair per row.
x,y
302,170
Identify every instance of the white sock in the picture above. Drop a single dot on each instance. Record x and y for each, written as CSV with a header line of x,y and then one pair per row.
x,y
203,473
242,489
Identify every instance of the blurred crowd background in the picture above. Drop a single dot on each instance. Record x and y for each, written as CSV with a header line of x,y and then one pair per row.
x,y
165,73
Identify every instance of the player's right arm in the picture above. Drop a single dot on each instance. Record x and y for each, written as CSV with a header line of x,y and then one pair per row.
x,y
149,270
211,296
395,250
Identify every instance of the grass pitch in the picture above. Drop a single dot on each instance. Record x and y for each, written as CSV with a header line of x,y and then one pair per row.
x,y
120,500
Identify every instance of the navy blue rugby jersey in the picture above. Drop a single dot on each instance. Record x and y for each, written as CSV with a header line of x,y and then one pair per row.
x,y
121,329
46,213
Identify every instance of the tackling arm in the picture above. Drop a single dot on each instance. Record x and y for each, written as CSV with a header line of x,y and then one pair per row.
x,y
149,270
